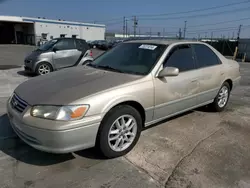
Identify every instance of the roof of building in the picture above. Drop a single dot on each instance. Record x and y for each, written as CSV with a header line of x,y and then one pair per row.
x,y
44,20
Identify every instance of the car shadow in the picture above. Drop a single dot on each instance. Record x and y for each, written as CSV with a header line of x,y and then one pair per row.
x,y
11,145
26,74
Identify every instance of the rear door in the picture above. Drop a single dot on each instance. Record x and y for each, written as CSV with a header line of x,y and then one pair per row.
x,y
211,72
66,54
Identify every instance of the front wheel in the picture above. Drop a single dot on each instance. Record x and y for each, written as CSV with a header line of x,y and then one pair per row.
x,y
222,98
43,68
119,131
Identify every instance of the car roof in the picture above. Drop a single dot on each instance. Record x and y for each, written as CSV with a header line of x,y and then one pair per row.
x,y
67,38
165,42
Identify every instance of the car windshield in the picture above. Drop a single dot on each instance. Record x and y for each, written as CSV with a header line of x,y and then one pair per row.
x,y
132,58
47,45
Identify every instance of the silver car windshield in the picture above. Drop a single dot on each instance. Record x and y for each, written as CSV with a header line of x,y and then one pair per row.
x,y
132,58
47,45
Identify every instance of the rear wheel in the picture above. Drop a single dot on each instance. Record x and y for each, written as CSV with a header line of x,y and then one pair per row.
x,y
119,131
43,68
221,100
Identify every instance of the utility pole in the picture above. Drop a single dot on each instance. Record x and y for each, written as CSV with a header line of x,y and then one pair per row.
x,y
233,36
239,30
163,33
180,33
124,23
199,36
212,37
184,30
150,31
126,28
135,25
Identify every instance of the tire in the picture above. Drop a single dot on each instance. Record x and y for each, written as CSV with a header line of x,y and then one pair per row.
x,y
124,137
43,66
216,105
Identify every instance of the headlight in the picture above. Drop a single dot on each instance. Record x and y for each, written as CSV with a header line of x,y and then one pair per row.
x,y
63,113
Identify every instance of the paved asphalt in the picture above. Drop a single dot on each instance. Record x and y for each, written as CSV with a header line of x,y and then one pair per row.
x,y
196,149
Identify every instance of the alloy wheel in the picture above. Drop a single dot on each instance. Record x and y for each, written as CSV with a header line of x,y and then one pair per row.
x,y
44,69
223,96
122,133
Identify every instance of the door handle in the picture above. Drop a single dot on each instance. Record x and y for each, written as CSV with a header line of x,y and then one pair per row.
x,y
222,73
194,80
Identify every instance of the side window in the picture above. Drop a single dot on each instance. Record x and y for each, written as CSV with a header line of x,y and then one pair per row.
x,y
82,45
65,44
205,56
181,57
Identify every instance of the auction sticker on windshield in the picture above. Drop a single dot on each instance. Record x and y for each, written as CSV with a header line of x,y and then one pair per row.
x,y
148,47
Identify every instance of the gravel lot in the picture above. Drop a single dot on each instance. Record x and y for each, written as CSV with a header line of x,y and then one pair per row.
x,y
196,149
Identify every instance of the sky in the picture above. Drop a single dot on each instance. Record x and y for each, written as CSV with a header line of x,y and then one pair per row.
x,y
111,13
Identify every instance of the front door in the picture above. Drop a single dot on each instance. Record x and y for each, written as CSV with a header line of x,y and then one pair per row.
x,y
66,54
178,93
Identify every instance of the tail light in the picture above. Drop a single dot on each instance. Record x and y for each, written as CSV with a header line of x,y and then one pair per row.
x,y
91,53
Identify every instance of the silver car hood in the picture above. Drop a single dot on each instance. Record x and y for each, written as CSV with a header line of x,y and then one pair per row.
x,y
34,54
65,86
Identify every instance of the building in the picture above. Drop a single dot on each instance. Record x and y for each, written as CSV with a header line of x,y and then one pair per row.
x,y
26,30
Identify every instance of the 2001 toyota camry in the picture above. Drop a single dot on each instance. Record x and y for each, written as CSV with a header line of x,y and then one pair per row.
x,y
108,102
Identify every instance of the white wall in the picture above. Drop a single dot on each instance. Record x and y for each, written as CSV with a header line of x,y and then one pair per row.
x,y
55,30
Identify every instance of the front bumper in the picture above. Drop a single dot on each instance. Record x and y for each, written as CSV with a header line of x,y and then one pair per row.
x,y
28,66
53,141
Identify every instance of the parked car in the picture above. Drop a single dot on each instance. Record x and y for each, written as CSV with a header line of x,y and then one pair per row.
x,y
57,54
102,45
92,44
107,102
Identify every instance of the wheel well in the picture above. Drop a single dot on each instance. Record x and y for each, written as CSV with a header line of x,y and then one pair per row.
x,y
230,82
137,106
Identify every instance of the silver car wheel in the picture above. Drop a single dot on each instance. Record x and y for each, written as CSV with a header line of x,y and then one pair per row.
x,y
223,96
122,133
44,69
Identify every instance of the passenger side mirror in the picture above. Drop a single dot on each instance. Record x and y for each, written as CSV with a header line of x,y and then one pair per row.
x,y
168,71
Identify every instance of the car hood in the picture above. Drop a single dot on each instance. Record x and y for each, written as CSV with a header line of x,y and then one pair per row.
x,y
34,54
65,86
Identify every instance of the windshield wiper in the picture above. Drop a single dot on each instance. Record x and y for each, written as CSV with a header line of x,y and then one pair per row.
x,y
106,67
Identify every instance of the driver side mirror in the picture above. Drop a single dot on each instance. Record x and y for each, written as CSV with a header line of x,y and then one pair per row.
x,y
168,71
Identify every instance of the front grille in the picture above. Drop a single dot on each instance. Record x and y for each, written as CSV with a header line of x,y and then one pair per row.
x,y
18,104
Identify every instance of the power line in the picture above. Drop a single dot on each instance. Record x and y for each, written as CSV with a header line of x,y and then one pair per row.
x,y
194,26
230,21
176,13
196,10
218,29
199,15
